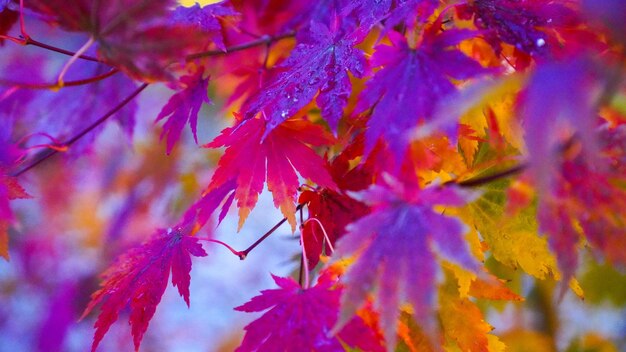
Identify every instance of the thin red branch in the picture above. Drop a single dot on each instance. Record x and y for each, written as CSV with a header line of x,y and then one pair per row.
x,y
31,41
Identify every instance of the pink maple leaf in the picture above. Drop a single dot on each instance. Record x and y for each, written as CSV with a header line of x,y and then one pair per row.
x,y
250,160
394,247
411,82
184,107
301,320
138,280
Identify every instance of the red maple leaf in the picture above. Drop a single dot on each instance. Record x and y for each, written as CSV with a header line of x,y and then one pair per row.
x,y
138,280
8,18
250,160
395,247
591,198
301,319
329,210
183,107
411,82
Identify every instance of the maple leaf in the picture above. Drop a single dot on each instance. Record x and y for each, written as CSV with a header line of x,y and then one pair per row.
x,y
553,127
513,240
319,63
138,280
250,160
300,319
524,24
334,210
568,113
183,107
394,12
394,247
132,35
206,18
411,82
584,203
462,321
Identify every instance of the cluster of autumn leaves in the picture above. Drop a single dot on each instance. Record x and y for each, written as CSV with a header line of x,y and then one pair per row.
x,y
432,137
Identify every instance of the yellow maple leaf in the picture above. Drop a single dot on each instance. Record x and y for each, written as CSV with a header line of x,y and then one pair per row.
x,y
463,324
513,240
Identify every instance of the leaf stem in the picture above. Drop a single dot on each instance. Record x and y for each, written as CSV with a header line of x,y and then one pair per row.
x,y
73,59
50,152
231,249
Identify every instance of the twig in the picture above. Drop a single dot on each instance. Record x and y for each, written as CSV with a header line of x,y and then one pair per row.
x,y
264,40
58,85
487,179
266,235
98,122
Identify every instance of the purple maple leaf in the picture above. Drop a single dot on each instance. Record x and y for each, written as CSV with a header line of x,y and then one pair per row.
x,y
394,12
520,23
411,83
138,280
184,107
206,18
555,108
395,246
320,63
558,112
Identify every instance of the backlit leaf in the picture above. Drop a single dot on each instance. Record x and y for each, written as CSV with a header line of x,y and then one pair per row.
x,y
138,280
250,160
394,247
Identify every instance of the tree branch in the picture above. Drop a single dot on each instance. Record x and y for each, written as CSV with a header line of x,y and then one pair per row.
x,y
50,152
57,85
264,40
